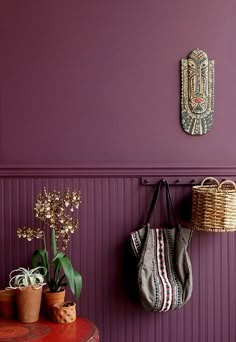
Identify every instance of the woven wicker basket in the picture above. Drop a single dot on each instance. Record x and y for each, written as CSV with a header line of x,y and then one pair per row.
x,y
214,206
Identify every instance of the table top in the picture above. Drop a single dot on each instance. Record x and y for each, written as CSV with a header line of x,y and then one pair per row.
x,y
82,330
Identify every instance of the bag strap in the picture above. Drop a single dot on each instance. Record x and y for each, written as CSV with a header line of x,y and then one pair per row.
x,y
154,200
170,207
169,204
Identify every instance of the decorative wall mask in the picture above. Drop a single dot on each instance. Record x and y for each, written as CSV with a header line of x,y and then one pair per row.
x,y
197,93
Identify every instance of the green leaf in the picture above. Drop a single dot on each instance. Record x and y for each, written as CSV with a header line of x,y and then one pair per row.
x,y
73,277
63,284
60,263
54,243
78,283
57,265
58,256
68,270
57,270
40,258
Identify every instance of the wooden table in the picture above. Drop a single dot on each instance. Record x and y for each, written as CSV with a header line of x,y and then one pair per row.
x,y
82,330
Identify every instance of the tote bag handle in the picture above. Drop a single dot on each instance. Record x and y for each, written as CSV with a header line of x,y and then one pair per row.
x,y
169,204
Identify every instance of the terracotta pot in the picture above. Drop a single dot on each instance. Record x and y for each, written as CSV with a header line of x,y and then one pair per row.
x,y
8,303
28,302
64,312
51,298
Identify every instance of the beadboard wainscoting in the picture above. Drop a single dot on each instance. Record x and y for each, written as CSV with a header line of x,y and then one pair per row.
x,y
114,202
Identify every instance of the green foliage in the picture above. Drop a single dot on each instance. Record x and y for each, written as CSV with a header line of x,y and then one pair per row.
x,y
60,271
55,211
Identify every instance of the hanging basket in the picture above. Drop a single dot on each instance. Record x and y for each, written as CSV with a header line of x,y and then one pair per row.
x,y
214,206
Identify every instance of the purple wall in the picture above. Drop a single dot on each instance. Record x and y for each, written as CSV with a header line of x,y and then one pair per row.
x,y
90,99
99,81
113,206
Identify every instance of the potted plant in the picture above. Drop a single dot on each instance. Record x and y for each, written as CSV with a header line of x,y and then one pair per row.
x,y
28,284
7,303
55,211
64,312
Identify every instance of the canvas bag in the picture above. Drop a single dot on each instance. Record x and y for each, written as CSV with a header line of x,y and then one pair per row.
x,y
164,273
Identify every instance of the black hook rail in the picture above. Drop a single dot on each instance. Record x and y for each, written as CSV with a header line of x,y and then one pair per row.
x,y
185,180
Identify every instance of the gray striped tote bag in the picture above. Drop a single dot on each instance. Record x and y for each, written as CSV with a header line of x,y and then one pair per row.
x,y
164,272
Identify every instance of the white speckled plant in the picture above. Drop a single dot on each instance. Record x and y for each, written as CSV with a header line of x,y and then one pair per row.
x,y
55,210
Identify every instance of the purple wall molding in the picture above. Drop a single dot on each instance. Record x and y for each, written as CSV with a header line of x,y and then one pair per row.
x,y
114,170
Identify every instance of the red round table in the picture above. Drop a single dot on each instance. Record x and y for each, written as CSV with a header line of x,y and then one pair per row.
x,y
82,330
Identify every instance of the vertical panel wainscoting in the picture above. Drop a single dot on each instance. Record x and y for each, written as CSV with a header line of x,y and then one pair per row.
x,y
112,206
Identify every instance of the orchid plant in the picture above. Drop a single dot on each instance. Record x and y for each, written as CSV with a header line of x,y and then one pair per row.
x,y
55,211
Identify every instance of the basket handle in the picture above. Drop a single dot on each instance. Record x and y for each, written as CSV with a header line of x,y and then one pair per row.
x,y
227,181
211,179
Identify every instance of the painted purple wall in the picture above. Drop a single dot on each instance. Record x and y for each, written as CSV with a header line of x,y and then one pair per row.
x,y
99,81
90,99
113,206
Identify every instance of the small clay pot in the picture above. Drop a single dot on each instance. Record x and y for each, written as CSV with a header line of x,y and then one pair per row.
x,y
64,312
8,303
50,298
